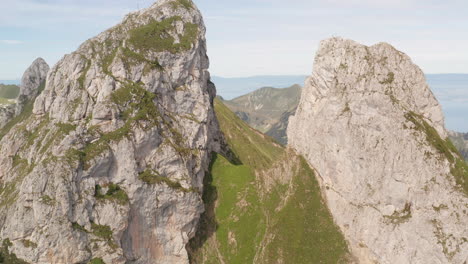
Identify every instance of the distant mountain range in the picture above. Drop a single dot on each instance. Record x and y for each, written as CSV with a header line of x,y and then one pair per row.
x,y
450,89
267,109
230,88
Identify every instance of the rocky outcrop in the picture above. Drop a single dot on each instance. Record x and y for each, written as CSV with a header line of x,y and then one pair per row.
x,y
110,164
371,127
33,78
30,87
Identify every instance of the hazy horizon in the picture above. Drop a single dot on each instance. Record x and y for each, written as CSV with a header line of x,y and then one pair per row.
x,y
249,37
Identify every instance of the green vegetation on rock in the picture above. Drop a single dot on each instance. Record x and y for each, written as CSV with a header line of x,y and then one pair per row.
x,y
114,193
256,214
104,232
181,3
153,177
96,261
156,37
6,257
445,149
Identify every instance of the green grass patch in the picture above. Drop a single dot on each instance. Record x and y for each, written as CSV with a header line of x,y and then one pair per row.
x,y
304,231
252,147
96,261
244,223
46,199
187,4
152,177
101,231
79,227
104,232
241,222
155,36
114,193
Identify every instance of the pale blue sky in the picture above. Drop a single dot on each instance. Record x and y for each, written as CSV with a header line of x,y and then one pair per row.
x,y
249,37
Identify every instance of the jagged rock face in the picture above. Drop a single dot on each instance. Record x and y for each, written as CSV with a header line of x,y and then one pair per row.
x,y
110,165
373,130
32,80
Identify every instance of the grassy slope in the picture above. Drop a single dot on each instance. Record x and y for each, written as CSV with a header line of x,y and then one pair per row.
x,y
9,91
255,216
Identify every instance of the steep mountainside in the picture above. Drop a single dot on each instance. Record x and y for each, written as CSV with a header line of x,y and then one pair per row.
x,y
371,127
109,165
263,108
32,83
263,205
460,140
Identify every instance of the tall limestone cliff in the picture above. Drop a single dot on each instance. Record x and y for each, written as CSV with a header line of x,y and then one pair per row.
x,y
371,127
31,84
109,165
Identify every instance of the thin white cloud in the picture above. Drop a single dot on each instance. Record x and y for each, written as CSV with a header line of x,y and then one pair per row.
x,y
11,41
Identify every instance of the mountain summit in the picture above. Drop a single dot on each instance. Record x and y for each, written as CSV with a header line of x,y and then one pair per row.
x,y
32,83
371,127
109,165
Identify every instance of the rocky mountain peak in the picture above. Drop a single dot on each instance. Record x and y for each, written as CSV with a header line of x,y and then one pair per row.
x,y
371,127
33,78
32,82
109,165
356,69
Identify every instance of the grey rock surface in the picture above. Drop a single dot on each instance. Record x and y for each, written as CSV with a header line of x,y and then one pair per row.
x,y
7,112
111,162
32,80
371,127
